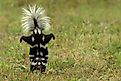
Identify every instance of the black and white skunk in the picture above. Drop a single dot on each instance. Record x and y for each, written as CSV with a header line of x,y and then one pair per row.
x,y
35,21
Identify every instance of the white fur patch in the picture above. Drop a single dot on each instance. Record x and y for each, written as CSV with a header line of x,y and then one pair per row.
x,y
43,46
34,63
39,63
31,60
34,46
35,31
42,58
33,39
41,53
37,53
39,31
37,58
46,55
43,38
43,63
31,55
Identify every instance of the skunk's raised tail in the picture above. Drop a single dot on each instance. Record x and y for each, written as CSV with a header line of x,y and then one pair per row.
x,y
34,19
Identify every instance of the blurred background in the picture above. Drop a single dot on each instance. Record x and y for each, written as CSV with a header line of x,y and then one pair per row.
x,y
87,45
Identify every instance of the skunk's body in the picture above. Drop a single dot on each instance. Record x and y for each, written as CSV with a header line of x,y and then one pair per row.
x,y
38,50
35,21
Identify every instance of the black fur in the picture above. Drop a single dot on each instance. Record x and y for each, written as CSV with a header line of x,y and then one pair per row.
x,y
36,48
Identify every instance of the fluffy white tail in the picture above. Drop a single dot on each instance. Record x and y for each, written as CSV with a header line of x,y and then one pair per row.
x,y
34,19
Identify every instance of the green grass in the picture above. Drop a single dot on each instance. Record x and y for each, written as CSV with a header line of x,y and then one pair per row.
x,y
87,45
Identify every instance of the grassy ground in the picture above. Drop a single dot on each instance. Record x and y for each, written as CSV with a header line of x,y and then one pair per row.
x,y
87,45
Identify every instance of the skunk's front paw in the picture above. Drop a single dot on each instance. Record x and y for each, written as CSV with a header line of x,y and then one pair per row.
x,y
53,36
21,39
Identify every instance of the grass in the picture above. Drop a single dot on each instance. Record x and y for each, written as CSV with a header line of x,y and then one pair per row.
x,y
87,45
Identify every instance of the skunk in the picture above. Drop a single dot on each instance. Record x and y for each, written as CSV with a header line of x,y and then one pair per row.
x,y
35,21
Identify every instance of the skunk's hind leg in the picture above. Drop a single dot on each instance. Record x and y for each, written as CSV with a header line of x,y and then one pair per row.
x,y
43,67
32,68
